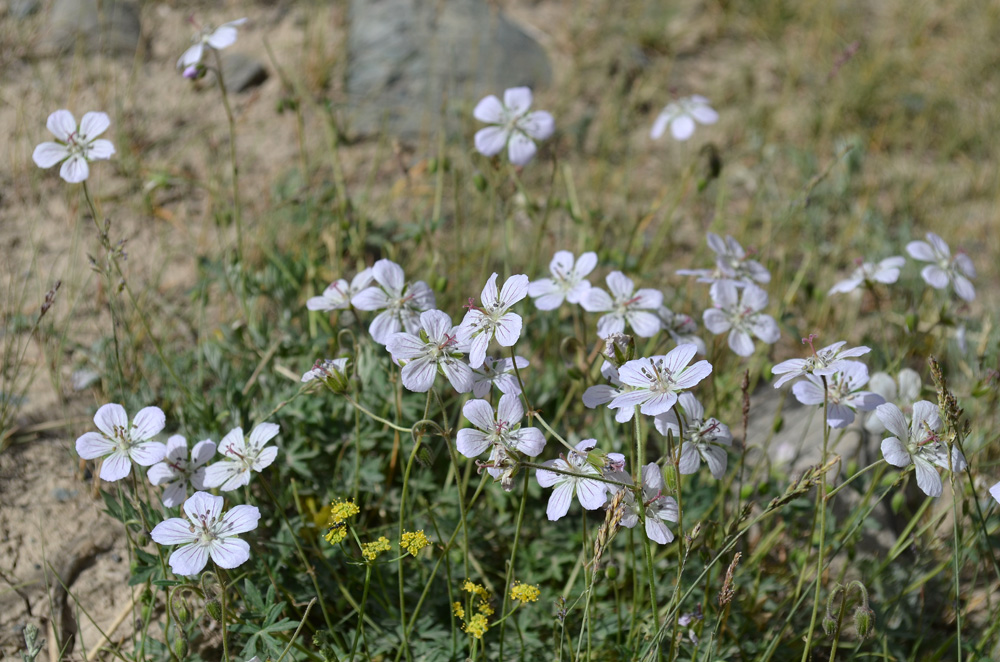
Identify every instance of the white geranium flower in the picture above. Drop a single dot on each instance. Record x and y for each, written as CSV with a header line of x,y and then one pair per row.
x,y
77,146
500,431
436,347
901,391
659,508
731,263
589,492
206,532
681,116
658,380
493,320
568,280
823,362
498,372
918,443
704,438
944,268
682,328
741,316
844,394
215,38
868,273
516,128
121,444
338,294
245,455
400,302
177,471
624,304
602,394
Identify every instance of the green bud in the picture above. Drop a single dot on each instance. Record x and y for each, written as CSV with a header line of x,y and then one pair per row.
x,y
181,648
214,609
479,182
864,621
611,572
141,540
432,165
181,610
746,491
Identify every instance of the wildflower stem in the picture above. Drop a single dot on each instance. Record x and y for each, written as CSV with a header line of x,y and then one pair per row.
x,y
237,217
821,505
222,616
295,634
833,493
376,417
640,501
402,519
361,615
513,558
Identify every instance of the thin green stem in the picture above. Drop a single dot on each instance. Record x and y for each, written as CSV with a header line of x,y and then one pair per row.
x,y
361,615
513,558
237,216
821,504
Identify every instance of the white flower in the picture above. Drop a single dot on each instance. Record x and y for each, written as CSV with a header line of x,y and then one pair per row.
x,y
122,444
338,295
944,268
659,379
704,438
589,492
245,455
400,302
682,328
177,471
497,372
481,325
636,308
504,431
216,38
681,116
886,271
326,369
436,347
918,444
844,394
995,492
76,146
206,533
902,391
741,316
659,507
515,126
731,263
602,394
568,281
823,362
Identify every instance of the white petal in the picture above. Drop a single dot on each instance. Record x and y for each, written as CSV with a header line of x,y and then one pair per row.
x,y
48,154
559,500
621,286
894,452
147,453
230,552
517,99
203,505
383,326
704,114
689,460
964,288
116,466
372,298
390,276
62,124
225,35
148,423
263,433
591,493
491,140
240,519
191,56
740,342
174,531
510,409
808,393
538,125
418,375
645,324
660,125
716,321
927,477
657,531
175,494
109,417
188,560
489,109
935,276
100,150
921,250
716,458
471,443
94,124
682,127
995,492
597,301
75,169
529,441
520,149
92,445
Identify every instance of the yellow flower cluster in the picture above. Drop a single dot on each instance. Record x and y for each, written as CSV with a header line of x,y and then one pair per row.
x,y
458,609
478,623
371,550
476,589
477,626
524,592
339,512
413,541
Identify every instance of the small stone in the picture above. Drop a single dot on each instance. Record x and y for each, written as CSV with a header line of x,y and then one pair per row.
x,y
61,494
242,72
114,29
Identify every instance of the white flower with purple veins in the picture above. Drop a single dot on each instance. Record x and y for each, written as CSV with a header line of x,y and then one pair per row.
x,y
918,443
121,444
503,431
602,394
731,263
658,380
589,492
493,320
739,314
516,128
825,361
214,38
682,328
77,146
400,302
624,304
868,273
245,455
206,533
704,438
338,295
843,393
944,268
681,116
435,348
659,508
177,471
568,283
901,391
499,373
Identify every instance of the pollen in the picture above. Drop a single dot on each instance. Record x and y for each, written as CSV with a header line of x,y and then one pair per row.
x,y
413,541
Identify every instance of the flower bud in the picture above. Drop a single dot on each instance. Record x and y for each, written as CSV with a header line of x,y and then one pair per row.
x,y
619,349
214,609
611,572
181,648
864,621
479,182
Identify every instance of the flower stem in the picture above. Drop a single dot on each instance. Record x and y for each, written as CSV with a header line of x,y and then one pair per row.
x,y
821,504
361,615
513,557
237,216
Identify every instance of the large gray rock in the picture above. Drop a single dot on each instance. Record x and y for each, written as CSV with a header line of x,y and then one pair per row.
x,y
407,58
114,29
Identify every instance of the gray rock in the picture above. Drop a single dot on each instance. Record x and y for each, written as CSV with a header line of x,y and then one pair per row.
x,y
114,29
62,494
21,9
242,72
408,58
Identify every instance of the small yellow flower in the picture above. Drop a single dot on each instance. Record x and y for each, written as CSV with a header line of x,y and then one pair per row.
x,y
484,608
475,589
336,533
341,510
371,550
413,541
524,592
477,626
458,609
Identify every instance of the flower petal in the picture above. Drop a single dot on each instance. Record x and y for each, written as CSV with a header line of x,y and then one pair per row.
x,y
682,128
147,453
92,445
173,531
148,423
61,124
202,505
928,479
539,125
74,169
100,150
894,452
230,552
116,466
471,443
188,560
93,124
520,148
48,154
559,500
489,109
517,99
110,418
491,140
240,519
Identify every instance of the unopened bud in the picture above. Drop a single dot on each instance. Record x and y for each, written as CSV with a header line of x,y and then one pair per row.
x,y
619,349
864,621
181,648
611,572
214,609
